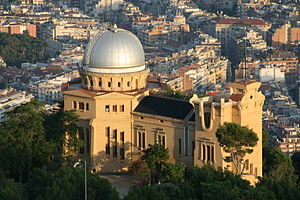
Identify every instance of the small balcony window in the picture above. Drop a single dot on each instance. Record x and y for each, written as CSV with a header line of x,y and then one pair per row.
x,y
106,108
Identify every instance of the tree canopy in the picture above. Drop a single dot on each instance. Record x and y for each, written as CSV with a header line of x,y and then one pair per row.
x,y
177,94
33,164
238,141
155,157
16,49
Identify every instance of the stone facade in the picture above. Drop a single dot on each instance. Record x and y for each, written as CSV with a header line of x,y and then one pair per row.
x,y
116,132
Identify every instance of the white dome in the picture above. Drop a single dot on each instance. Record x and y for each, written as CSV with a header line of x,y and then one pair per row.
x,y
114,51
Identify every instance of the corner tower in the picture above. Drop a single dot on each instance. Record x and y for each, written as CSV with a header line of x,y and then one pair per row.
x,y
113,83
242,106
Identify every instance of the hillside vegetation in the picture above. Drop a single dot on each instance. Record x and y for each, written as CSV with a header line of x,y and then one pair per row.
x,y
16,49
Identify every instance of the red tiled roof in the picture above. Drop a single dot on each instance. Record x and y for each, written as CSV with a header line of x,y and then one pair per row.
x,y
243,21
236,97
87,92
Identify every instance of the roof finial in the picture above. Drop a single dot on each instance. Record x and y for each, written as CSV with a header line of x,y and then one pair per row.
x,y
115,26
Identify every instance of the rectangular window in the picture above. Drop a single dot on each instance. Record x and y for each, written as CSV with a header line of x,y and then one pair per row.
x,y
159,139
74,104
143,140
203,152
114,108
115,151
81,137
247,164
87,106
208,153
122,108
115,134
186,141
163,141
135,137
106,108
212,153
251,168
122,153
140,139
88,139
107,147
193,148
122,147
255,171
179,146
122,137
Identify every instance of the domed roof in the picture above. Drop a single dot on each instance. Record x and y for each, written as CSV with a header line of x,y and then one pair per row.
x,y
114,51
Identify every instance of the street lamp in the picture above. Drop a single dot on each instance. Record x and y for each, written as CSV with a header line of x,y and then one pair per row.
x,y
79,164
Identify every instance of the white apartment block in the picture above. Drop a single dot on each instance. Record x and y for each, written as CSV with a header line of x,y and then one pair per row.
x,y
10,99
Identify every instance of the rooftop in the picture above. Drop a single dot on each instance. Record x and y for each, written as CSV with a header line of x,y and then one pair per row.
x,y
166,107
243,21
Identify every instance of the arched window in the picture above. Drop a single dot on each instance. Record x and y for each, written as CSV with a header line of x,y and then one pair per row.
x,y
207,119
208,153
100,82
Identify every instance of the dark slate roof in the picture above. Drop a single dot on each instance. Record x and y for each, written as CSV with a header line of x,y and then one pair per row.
x,y
192,119
166,107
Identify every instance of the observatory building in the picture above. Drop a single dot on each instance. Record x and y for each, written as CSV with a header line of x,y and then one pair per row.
x,y
119,119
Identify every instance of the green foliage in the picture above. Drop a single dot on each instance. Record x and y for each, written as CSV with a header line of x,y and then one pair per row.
x,y
16,49
154,168
278,166
265,138
204,183
279,174
172,191
209,183
68,183
296,163
146,193
158,191
155,157
176,94
237,141
283,189
140,168
62,129
10,190
22,138
173,173
31,141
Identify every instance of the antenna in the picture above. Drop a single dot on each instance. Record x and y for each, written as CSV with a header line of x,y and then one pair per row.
x,y
245,62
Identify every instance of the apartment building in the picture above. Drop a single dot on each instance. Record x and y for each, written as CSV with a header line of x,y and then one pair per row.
x,y
19,28
10,99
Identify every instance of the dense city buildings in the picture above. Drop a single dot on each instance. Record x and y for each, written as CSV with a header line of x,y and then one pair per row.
x,y
10,99
168,72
